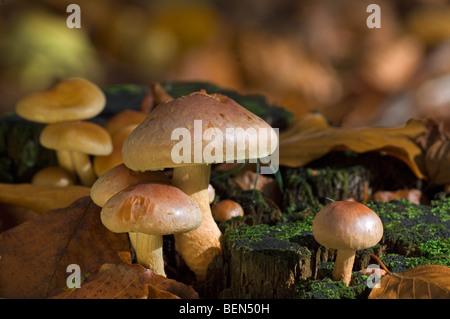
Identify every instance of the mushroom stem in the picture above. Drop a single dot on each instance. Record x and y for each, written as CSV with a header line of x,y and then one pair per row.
x,y
199,246
149,251
65,160
343,265
83,168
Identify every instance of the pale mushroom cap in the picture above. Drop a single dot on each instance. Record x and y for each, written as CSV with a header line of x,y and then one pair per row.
x,y
53,176
347,225
81,136
119,178
154,209
218,114
70,99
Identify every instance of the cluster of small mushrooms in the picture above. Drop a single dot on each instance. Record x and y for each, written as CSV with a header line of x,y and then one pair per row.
x,y
124,163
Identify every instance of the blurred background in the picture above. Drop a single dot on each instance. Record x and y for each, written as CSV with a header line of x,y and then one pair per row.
x,y
302,55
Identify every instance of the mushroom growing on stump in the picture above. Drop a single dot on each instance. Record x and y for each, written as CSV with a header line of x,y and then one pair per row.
x,y
151,211
206,124
68,100
346,226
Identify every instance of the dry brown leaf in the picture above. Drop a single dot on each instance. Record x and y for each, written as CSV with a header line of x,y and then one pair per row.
x,y
311,137
126,281
35,254
437,162
422,282
41,198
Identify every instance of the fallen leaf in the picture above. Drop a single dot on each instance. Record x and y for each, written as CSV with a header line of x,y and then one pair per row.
x,y
311,137
437,162
41,198
126,281
34,255
422,282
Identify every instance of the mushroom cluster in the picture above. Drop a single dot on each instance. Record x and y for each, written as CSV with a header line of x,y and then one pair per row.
x,y
151,146
65,107
346,226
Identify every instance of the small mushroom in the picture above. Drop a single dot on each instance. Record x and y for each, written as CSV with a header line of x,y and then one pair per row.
x,y
81,139
53,176
151,211
226,209
346,226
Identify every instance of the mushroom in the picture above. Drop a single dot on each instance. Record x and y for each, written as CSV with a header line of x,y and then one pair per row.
x,y
151,211
68,100
53,176
81,139
151,146
226,209
346,226
119,178
103,163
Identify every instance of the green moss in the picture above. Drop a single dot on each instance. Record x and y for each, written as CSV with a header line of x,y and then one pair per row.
x,y
408,227
329,289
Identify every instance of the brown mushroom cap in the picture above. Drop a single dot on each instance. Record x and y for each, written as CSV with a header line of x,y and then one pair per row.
x,y
226,209
81,136
347,225
70,99
153,137
119,178
154,209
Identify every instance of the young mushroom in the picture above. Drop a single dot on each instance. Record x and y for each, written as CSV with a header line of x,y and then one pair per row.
x,y
151,211
155,142
346,226
226,209
68,100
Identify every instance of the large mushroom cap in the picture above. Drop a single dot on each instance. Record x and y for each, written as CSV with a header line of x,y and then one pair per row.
x,y
347,225
154,209
153,137
70,99
81,136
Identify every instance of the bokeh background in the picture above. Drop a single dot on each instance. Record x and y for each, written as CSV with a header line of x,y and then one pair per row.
x,y
302,55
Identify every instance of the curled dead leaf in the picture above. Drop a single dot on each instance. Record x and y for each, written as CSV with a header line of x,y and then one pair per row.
x,y
437,162
422,282
311,137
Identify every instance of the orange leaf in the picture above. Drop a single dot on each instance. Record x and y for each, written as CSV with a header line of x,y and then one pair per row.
x,y
422,282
